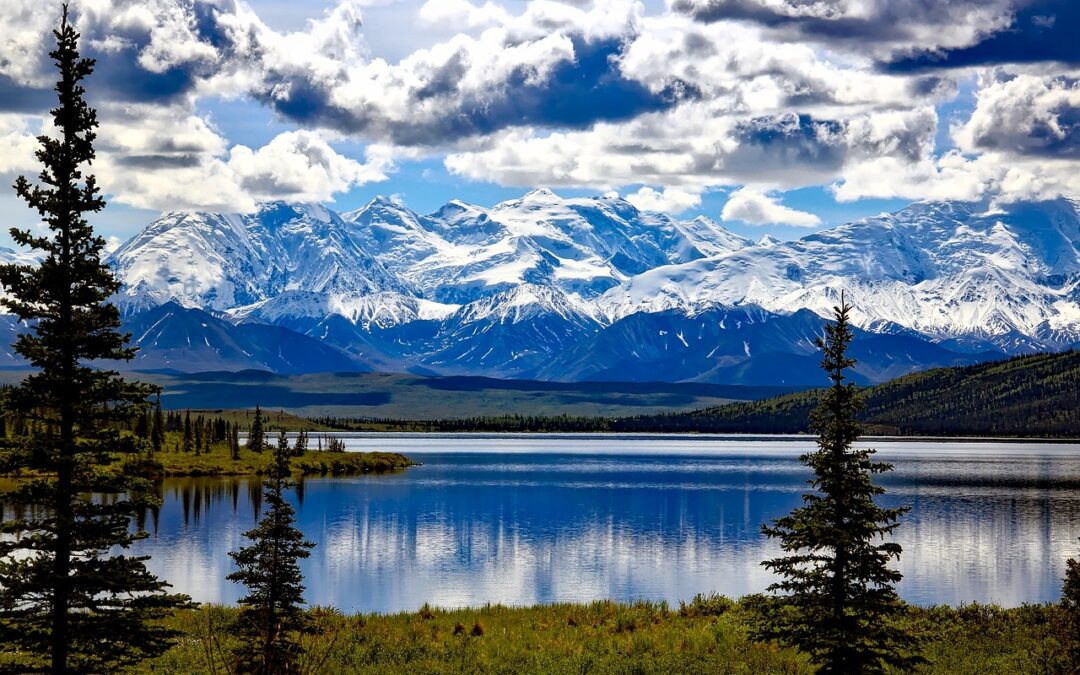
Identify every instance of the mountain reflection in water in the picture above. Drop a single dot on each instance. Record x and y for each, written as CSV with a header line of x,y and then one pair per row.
x,y
522,520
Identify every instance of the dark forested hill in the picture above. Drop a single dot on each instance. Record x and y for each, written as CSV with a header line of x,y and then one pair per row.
x,y
1035,395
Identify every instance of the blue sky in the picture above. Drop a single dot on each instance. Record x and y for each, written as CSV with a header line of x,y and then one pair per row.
x,y
773,116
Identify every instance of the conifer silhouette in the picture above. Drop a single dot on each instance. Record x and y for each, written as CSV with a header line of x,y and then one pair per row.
x,y
68,601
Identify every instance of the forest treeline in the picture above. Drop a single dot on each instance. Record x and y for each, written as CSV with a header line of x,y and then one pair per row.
x,y
1035,395
490,423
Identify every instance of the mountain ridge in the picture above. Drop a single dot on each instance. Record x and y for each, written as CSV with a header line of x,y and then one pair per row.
x,y
570,289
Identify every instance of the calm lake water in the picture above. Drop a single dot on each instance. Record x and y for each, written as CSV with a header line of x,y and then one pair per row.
x,y
538,519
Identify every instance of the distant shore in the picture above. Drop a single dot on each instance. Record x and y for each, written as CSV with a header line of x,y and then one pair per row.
x,y
712,434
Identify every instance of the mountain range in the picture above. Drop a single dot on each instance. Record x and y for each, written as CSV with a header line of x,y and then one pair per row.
x,y
549,288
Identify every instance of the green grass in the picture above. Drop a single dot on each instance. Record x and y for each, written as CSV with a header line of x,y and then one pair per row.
x,y
707,636
219,462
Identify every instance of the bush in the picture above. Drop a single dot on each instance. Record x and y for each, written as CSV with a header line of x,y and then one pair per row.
x,y
706,605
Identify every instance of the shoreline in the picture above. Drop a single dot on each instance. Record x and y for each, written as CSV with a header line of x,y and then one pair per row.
x,y
708,435
313,463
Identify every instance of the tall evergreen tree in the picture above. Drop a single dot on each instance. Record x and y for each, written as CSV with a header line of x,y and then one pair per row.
x,y
273,608
188,436
301,446
69,600
157,429
1070,605
142,425
234,442
256,437
838,599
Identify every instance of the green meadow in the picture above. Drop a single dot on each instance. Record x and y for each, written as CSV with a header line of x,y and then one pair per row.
x,y
707,635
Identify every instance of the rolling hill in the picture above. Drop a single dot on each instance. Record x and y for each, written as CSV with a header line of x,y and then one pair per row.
x,y
1036,395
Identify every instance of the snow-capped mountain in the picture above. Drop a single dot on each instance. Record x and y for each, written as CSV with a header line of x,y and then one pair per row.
x,y
175,337
512,332
593,288
945,270
462,252
227,261
736,344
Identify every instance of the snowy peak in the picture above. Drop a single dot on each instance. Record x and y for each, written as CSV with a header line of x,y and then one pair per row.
x,y
224,261
536,196
709,237
278,213
526,302
394,234
943,270
196,259
582,246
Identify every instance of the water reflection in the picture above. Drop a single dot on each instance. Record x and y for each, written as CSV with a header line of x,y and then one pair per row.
x,y
522,521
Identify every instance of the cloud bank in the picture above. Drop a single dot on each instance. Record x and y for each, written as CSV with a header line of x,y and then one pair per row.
x,y
758,96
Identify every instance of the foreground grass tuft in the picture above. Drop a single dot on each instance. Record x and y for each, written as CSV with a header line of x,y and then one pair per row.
x,y
707,635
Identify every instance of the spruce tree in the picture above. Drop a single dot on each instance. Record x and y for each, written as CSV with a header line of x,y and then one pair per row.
x,y
188,438
301,446
157,429
837,598
273,611
256,440
1070,606
70,601
142,425
234,442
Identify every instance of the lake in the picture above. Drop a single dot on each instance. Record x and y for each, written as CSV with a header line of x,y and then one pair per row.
x,y
524,519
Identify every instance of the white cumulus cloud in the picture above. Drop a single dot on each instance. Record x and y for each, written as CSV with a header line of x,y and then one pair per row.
x,y
667,200
195,168
754,207
301,165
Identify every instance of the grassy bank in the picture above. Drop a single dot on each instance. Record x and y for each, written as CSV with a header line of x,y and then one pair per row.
x,y
705,636
219,462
